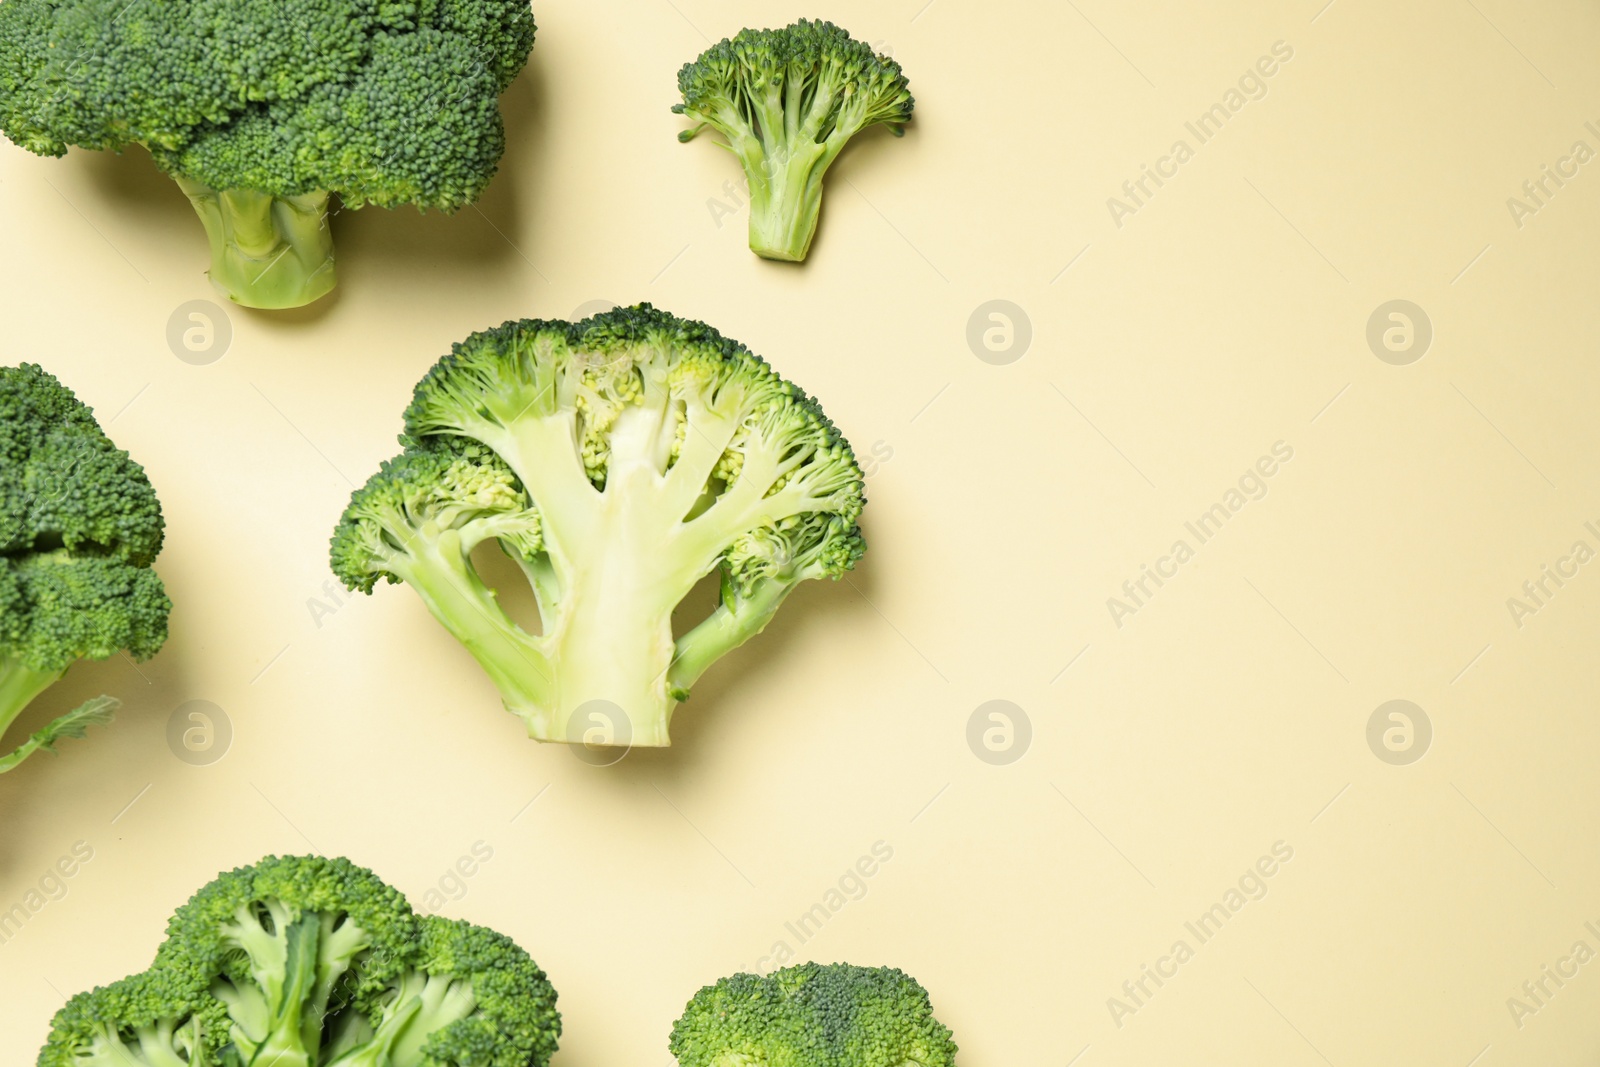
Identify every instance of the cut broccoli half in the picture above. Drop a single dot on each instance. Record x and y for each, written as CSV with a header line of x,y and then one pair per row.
x,y
303,961
786,103
813,1015
618,460
79,527
260,110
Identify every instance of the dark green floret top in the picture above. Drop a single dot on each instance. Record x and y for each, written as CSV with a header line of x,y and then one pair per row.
x,y
813,1015
79,528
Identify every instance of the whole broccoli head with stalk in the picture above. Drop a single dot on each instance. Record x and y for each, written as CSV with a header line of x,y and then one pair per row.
x,y
305,961
813,1015
787,102
79,527
618,460
262,108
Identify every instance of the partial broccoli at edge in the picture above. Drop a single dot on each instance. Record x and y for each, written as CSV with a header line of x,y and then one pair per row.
x,y
303,961
260,110
813,1015
618,460
79,528
787,102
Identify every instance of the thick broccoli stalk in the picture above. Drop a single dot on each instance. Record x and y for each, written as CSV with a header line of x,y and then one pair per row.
x,y
382,104
619,460
266,251
79,527
813,1015
786,103
303,961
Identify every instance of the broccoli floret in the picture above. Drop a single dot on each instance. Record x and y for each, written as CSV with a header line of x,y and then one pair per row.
x,y
304,961
618,460
813,1015
787,101
152,1019
79,527
262,108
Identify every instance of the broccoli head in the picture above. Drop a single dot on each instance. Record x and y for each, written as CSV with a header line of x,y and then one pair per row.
x,y
786,102
618,460
813,1015
79,527
303,961
261,109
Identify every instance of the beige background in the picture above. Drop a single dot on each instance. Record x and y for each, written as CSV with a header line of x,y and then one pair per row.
x,y
1168,754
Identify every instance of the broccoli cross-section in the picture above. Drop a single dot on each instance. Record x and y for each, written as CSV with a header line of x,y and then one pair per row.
x,y
262,108
813,1015
79,527
305,961
618,460
786,103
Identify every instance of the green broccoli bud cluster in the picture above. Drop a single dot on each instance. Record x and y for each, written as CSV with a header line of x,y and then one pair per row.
x,y
304,961
813,1015
262,108
787,102
619,460
79,527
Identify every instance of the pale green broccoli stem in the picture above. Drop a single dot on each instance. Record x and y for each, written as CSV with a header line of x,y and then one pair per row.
x,y
612,643
19,684
422,1005
725,630
285,1043
156,1048
785,204
266,251
440,571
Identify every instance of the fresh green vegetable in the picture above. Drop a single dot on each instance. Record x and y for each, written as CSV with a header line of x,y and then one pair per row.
x,y
260,110
79,527
302,961
813,1015
619,460
787,102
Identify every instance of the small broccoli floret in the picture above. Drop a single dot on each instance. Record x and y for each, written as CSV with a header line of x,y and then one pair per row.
x,y
619,460
787,102
79,527
261,109
303,961
813,1015
472,996
153,1019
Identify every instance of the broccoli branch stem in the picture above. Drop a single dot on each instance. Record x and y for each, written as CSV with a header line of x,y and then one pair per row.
x,y
285,1044
441,574
19,684
266,251
725,630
